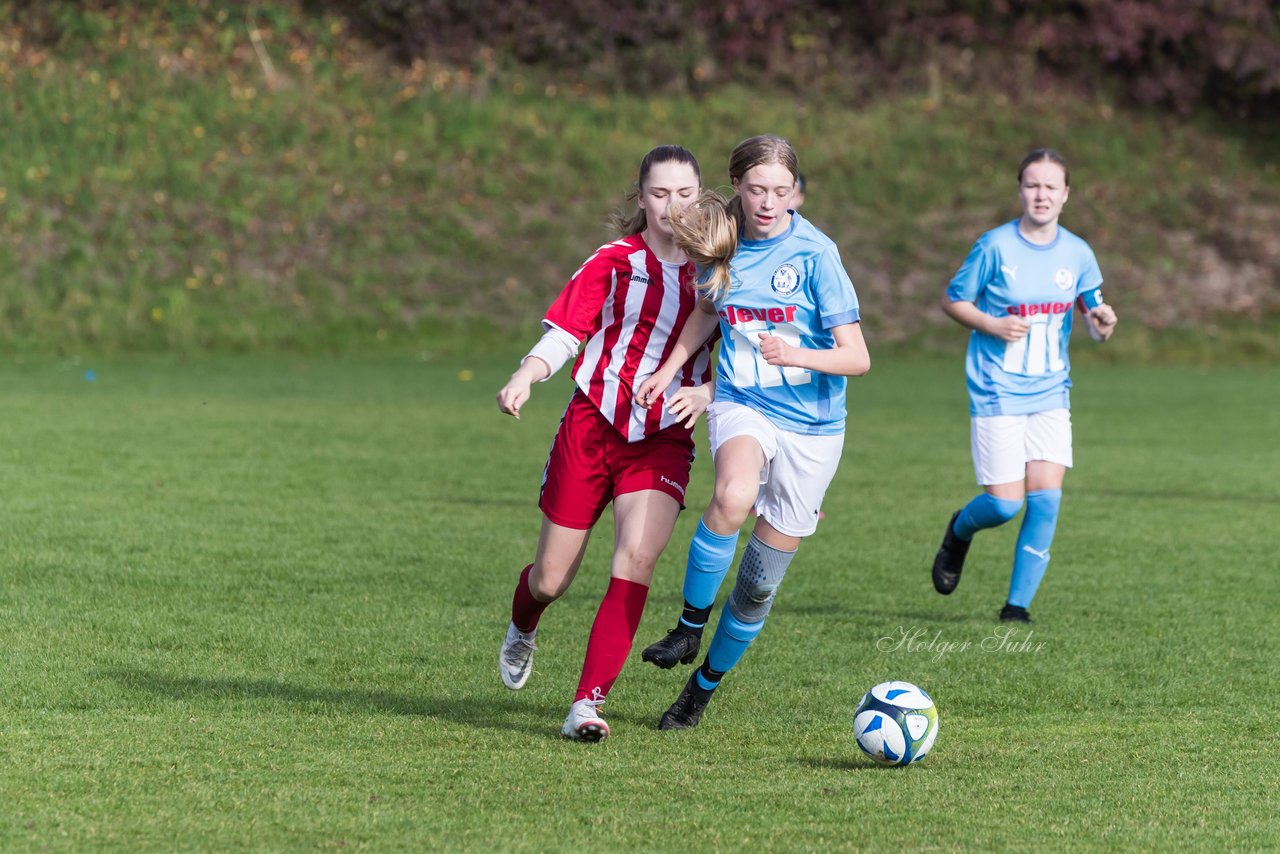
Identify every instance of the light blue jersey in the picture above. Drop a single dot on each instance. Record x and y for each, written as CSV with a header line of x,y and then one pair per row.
x,y
1006,274
792,286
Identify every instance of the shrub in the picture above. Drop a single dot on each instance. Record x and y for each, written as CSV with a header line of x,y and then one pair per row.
x,y
1180,53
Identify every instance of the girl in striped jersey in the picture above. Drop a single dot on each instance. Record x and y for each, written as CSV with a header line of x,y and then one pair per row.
x,y
629,301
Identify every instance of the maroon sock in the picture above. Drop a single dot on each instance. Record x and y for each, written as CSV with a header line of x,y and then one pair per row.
x,y
526,610
611,635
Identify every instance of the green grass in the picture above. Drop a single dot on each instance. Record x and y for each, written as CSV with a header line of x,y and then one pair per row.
x,y
254,602
158,190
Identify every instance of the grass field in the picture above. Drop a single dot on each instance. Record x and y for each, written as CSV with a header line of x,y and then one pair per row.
x,y
255,603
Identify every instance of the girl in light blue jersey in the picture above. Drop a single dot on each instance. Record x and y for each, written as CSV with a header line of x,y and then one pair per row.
x,y
1016,291
790,336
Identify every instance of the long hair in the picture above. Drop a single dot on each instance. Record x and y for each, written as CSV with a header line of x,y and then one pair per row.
x,y
707,230
1045,154
628,222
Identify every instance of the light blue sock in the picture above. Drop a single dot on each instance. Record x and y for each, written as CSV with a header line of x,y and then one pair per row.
x,y
984,511
729,643
710,556
1032,557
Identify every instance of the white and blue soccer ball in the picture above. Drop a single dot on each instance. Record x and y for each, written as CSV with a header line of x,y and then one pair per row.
x,y
896,723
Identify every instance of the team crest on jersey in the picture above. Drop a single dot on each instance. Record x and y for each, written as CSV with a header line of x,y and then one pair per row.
x,y
786,280
1064,279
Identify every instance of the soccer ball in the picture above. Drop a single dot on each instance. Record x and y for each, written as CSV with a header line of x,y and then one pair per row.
x,y
896,723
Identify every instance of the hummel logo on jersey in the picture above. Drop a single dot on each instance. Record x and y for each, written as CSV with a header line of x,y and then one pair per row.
x,y
671,483
1011,272
638,278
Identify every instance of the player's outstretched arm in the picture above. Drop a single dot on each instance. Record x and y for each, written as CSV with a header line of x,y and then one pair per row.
x,y
513,395
554,348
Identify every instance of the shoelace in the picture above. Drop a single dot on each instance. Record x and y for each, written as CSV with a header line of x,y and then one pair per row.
x,y
516,655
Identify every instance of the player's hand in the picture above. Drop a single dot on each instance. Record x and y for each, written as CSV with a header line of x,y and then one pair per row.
x,y
514,394
1008,328
648,392
776,351
1104,320
688,403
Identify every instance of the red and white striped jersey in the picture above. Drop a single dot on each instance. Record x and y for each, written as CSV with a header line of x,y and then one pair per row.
x,y
629,306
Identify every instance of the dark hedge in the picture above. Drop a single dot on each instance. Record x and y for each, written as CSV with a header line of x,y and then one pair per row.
x,y
1181,53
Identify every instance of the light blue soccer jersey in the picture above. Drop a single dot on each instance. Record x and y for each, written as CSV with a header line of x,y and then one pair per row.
x,y
1006,274
792,286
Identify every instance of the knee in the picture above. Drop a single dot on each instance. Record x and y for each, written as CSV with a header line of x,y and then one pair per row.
x,y
1005,509
751,602
1044,502
635,561
734,498
547,583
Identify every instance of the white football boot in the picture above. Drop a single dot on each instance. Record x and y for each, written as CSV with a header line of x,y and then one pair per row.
x,y
515,659
584,722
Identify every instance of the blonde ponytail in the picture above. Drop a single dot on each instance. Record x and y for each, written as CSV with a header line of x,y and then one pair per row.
x,y
707,232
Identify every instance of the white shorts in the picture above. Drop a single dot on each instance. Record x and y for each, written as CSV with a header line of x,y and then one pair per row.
x,y
1004,444
798,468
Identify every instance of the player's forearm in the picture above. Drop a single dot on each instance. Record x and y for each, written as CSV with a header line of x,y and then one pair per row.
x,y
697,329
967,314
532,370
839,361
553,349
848,358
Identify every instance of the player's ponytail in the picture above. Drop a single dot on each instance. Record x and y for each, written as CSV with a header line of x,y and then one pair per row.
x,y
707,232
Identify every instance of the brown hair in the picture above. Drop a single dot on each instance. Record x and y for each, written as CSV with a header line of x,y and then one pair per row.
x,y
633,222
1050,155
707,230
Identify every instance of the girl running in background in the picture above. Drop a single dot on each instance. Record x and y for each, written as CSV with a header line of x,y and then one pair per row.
x,y
790,331
1015,291
628,301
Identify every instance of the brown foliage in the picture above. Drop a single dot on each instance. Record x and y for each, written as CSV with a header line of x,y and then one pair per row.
x,y
1181,53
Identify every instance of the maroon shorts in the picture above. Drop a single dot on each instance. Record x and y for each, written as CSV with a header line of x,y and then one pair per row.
x,y
591,464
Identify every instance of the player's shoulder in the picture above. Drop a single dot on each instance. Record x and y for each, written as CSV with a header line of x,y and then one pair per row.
x,y
1005,234
622,247
614,253
808,234
1074,241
